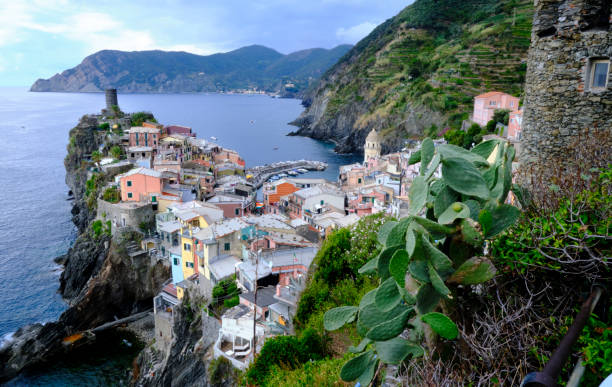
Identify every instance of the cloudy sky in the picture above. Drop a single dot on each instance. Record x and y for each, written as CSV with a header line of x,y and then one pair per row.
x,y
39,38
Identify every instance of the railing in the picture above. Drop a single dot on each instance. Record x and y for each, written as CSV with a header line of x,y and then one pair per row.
x,y
548,376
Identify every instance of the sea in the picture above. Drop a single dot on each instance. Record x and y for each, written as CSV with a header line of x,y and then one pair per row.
x,y
35,219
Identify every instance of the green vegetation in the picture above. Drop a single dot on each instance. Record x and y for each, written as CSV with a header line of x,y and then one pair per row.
x,y
104,126
286,351
225,295
116,151
220,372
111,195
436,54
136,119
96,157
462,209
98,227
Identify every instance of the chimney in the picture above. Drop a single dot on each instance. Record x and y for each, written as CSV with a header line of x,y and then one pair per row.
x,y
278,290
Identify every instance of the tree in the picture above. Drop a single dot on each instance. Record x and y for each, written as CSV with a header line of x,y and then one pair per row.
x,y
96,157
502,116
116,152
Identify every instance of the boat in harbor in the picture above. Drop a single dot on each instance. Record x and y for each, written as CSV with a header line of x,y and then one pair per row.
x,y
274,178
302,170
282,175
293,173
213,138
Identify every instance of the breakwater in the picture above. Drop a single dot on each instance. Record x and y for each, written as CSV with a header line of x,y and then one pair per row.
x,y
262,173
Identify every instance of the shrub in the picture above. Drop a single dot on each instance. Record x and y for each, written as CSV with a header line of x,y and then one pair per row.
x,y
104,126
220,372
96,227
116,152
111,195
231,302
439,246
288,352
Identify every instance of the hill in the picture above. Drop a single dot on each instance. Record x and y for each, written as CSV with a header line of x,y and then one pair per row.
x,y
176,72
418,72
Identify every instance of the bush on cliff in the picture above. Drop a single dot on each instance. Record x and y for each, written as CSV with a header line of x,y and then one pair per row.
x,y
287,352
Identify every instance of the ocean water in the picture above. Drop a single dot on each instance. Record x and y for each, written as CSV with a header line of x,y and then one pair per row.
x,y
35,219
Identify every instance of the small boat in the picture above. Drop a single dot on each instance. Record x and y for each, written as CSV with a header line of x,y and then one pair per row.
x,y
213,138
302,170
282,175
274,178
293,173
275,148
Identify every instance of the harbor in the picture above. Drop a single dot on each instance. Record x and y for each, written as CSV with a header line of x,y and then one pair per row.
x,y
258,175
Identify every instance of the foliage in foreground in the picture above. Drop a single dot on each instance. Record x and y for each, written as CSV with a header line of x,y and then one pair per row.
x,y
425,255
287,352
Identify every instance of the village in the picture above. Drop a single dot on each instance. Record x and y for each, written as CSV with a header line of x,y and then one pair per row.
x,y
195,204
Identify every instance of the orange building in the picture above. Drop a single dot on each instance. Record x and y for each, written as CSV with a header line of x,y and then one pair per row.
x,y
272,192
140,184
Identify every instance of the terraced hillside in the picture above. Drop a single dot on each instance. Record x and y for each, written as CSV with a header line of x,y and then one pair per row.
x,y
418,72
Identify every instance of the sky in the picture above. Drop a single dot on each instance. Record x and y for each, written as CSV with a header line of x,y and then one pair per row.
x,y
39,38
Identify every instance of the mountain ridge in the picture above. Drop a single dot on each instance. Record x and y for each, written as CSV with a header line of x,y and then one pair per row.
x,y
157,71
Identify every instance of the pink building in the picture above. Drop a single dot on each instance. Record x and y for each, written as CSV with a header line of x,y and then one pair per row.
x,y
139,184
143,136
486,104
514,125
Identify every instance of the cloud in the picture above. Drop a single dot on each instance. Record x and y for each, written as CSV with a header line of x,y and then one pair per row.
x,y
355,33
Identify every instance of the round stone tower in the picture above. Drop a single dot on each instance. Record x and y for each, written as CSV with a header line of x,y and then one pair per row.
x,y
568,87
111,99
372,146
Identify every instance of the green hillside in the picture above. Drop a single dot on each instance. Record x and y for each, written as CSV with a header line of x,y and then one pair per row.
x,y
422,67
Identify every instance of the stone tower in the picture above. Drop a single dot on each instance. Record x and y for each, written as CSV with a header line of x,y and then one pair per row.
x,y
372,146
568,85
111,99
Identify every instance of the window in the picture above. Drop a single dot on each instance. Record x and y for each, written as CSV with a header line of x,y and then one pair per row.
x,y
322,202
359,181
189,264
599,69
187,246
492,103
511,103
237,211
129,182
226,246
176,261
129,195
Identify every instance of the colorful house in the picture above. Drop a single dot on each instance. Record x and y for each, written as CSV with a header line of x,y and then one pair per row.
x,y
144,136
140,184
486,104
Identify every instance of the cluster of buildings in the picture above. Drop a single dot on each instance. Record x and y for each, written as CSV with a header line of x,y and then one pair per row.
x,y
208,227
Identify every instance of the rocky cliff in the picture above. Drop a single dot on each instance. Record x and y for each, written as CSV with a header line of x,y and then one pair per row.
x,y
181,72
187,361
102,279
418,72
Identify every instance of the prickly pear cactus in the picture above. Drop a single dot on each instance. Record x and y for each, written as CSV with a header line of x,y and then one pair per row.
x,y
439,246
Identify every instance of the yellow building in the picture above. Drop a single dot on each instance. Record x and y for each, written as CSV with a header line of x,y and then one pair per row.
x,y
372,146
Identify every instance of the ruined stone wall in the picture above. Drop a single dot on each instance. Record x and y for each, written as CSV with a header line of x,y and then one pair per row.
x,y
567,36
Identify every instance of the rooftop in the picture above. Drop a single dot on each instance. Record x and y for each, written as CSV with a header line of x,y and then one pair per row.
x,y
140,149
141,129
318,190
288,257
228,226
223,266
265,296
236,312
141,171
269,220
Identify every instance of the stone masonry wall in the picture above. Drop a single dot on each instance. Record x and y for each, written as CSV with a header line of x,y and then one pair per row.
x,y
567,35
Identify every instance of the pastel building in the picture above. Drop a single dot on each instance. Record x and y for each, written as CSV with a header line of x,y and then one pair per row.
x,y
515,123
144,136
486,104
140,184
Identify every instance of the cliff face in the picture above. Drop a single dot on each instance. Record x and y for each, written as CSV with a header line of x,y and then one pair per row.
x,y
187,360
102,279
418,72
180,72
